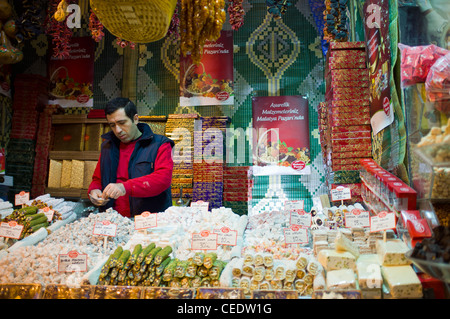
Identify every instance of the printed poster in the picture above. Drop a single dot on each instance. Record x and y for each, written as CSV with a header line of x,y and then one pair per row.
x,y
281,143
72,78
211,81
379,56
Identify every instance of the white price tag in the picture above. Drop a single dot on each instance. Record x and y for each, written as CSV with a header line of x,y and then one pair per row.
x,y
294,205
73,261
21,198
145,220
301,218
226,236
204,240
203,206
48,212
382,221
341,193
11,229
357,218
105,228
295,235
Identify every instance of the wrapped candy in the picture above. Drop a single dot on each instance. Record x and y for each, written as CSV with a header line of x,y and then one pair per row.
x,y
417,61
236,12
437,83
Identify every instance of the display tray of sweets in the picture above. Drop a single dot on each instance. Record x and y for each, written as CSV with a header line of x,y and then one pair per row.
x,y
355,134
348,109
351,154
349,121
343,161
345,53
347,167
345,84
346,90
349,102
349,115
331,95
351,128
334,45
347,75
350,142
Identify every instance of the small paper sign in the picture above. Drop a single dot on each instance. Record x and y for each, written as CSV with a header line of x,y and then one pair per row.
x,y
294,205
73,261
295,235
341,193
145,220
48,212
11,229
203,206
105,228
204,240
226,236
357,218
21,198
301,218
382,221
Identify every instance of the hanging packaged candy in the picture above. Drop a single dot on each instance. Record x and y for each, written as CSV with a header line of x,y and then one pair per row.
x,y
417,61
437,84
236,12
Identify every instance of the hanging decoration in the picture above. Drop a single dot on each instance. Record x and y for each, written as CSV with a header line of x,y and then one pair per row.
x,y
277,7
96,27
236,13
124,43
335,16
58,30
137,21
174,27
200,20
30,23
8,53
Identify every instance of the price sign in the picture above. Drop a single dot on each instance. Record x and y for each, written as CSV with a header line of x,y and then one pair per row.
x,y
226,236
203,206
48,212
73,261
11,229
204,240
295,235
105,228
357,218
341,193
382,221
301,218
145,220
294,205
21,198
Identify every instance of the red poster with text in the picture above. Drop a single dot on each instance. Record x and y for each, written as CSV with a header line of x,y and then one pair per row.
x,y
281,144
211,81
71,78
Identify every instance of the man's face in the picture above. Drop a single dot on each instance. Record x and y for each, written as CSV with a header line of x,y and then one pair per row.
x,y
124,128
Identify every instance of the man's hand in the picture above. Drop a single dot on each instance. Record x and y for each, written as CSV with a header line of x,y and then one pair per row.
x,y
97,197
114,190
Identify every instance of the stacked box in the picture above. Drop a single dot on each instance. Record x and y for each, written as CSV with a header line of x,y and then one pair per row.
x,y
43,144
180,128
30,98
344,117
209,137
237,185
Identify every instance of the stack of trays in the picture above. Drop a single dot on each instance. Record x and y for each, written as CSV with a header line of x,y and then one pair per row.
x,y
30,97
237,185
180,128
208,164
344,117
43,144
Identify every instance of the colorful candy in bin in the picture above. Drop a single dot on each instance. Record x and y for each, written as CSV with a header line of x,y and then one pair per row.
x,y
437,84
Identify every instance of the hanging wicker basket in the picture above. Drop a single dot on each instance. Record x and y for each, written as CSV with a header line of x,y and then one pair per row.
x,y
139,21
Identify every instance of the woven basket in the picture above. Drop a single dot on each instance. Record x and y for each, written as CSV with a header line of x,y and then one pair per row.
x,y
139,21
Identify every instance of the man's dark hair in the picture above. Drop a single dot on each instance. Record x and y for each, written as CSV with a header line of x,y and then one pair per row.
x,y
121,103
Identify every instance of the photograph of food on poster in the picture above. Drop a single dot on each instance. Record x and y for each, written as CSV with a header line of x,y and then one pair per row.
x,y
281,143
211,81
379,57
72,77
